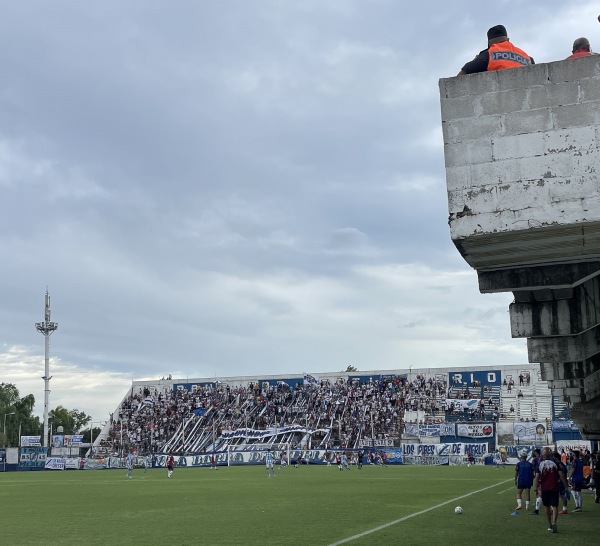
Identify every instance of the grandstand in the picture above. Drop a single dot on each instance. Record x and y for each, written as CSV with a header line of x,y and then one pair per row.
x,y
344,410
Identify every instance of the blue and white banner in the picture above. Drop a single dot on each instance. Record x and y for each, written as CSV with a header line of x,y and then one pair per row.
x,y
385,442
66,440
411,429
310,379
476,450
462,404
529,432
30,441
575,445
430,430
479,378
564,426
267,433
33,457
72,463
447,429
55,463
2,459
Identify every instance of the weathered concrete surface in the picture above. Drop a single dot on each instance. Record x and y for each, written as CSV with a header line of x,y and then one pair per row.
x,y
522,152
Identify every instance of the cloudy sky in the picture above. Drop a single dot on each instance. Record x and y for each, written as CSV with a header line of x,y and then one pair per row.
x,y
239,187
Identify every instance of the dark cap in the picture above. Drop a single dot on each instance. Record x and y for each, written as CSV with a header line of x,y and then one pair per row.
x,y
496,32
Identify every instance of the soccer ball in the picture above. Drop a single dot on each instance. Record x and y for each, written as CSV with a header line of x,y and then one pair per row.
x,y
458,510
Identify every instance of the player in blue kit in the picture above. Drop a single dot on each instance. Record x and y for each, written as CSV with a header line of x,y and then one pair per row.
x,y
270,464
576,478
536,459
523,481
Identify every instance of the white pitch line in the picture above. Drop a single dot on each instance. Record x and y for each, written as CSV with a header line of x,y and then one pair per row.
x,y
389,524
509,489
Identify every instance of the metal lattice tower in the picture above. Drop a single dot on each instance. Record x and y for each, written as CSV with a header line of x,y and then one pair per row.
x,y
46,328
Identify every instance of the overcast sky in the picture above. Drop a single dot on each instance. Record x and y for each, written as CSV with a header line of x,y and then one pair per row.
x,y
238,187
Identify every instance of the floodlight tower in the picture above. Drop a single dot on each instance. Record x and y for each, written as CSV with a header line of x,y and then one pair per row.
x,y
46,328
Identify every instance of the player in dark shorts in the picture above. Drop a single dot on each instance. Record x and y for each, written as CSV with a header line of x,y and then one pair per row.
x,y
549,476
536,459
359,461
563,493
577,480
470,459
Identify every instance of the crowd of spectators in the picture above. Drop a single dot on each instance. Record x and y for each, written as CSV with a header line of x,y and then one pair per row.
x,y
341,412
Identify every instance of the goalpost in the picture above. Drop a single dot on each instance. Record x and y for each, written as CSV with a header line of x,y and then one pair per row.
x,y
255,453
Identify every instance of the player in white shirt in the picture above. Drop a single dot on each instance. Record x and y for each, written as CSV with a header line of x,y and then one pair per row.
x,y
130,461
270,464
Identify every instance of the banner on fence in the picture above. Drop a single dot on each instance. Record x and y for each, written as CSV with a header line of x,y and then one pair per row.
x,y
476,450
532,432
33,457
447,429
467,430
411,429
72,463
575,445
2,459
54,463
383,442
432,429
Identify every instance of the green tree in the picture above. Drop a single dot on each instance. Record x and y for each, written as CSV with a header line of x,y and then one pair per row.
x,y
86,434
17,413
351,368
72,421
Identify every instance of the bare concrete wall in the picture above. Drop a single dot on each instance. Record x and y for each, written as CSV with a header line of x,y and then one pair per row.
x,y
522,150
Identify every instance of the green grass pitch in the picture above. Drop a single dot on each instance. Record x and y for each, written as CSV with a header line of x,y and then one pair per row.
x,y
309,506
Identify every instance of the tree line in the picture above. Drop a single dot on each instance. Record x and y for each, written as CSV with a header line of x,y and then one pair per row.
x,y
16,413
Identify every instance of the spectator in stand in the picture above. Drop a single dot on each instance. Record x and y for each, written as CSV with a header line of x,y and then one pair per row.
x,y
581,48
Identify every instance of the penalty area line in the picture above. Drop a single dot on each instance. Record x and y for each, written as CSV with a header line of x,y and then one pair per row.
x,y
415,514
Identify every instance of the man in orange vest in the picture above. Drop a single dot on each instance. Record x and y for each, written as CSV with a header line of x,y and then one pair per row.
x,y
499,55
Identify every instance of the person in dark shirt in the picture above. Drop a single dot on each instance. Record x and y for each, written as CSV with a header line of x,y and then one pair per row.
x,y
499,55
549,476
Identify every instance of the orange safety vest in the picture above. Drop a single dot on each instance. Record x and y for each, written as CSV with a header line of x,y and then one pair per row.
x,y
505,55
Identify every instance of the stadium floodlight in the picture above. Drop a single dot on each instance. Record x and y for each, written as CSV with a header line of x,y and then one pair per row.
x,y
5,415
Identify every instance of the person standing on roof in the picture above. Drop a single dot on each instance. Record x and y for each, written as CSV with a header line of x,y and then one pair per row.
x,y
499,55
